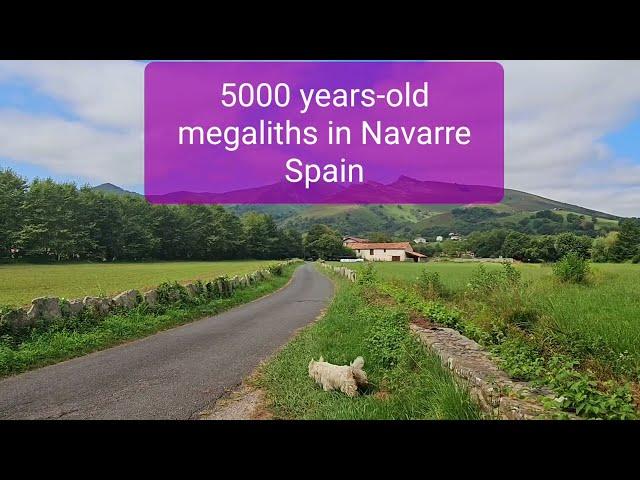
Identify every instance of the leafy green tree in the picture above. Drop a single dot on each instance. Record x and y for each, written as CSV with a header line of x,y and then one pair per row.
x,y
515,245
291,245
51,225
328,247
12,198
570,242
602,248
226,237
137,239
627,244
261,235
487,244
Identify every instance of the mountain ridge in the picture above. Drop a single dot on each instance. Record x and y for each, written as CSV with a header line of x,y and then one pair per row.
x,y
396,219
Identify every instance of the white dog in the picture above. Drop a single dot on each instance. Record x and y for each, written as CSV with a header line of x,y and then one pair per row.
x,y
346,378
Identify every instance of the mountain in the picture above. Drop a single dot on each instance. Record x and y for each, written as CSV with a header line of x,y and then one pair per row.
x,y
114,189
402,190
428,220
403,220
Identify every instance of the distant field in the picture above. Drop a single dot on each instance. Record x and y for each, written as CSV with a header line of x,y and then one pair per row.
x,y
19,284
606,310
453,275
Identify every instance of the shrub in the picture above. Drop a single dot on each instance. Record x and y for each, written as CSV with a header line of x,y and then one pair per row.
x,y
636,259
519,359
172,292
438,313
276,269
484,282
572,268
430,284
368,274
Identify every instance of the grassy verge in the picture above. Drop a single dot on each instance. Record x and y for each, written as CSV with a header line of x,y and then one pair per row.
x,y
68,338
407,382
520,324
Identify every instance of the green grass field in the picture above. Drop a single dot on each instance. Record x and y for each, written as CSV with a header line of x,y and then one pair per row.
x,y
19,284
453,275
606,310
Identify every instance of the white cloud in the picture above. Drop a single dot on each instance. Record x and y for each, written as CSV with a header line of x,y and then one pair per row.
x,y
103,93
72,148
556,115
104,144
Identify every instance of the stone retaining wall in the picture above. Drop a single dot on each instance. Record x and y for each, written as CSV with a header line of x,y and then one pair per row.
x,y
344,271
50,308
494,391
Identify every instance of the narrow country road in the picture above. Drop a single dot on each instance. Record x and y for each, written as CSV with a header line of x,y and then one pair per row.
x,y
173,374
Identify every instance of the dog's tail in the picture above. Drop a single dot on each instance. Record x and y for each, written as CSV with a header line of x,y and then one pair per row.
x,y
358,373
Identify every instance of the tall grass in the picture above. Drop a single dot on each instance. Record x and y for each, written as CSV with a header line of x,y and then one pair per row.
x,y
605,311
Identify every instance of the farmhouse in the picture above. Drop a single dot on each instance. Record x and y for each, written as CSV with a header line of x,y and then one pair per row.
x,y
387,252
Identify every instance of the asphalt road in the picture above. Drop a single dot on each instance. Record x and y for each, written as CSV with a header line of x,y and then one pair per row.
x,y
173,374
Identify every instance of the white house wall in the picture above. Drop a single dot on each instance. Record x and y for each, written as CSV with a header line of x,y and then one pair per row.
x,y
379,255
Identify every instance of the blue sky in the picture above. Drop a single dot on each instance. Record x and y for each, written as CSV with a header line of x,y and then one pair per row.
x,y
572,129
625,140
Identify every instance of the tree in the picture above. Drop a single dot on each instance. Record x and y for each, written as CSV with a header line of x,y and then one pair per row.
x,y
12,198
261,235
137,240
291,245
627,244
570,242
51,226
226,237
329,247
515,245
487,244
601,250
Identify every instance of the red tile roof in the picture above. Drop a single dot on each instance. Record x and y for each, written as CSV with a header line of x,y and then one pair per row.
x,y
377,246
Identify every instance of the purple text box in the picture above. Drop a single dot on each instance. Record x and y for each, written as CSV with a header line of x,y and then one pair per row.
x,y
410,132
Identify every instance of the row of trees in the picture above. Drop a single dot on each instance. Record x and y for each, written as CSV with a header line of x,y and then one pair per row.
x,y
544,222
49,220
620,246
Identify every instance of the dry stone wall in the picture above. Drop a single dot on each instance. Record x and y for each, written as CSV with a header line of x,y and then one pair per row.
x,y
343,271
495,392
46,309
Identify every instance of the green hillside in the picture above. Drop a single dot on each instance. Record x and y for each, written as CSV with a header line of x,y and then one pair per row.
x,y
114,189
515,211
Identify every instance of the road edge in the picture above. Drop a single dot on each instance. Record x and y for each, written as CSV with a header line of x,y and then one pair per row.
x,y
246,401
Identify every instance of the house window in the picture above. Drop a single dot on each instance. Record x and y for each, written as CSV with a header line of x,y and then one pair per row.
x,y
384,250
371,252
